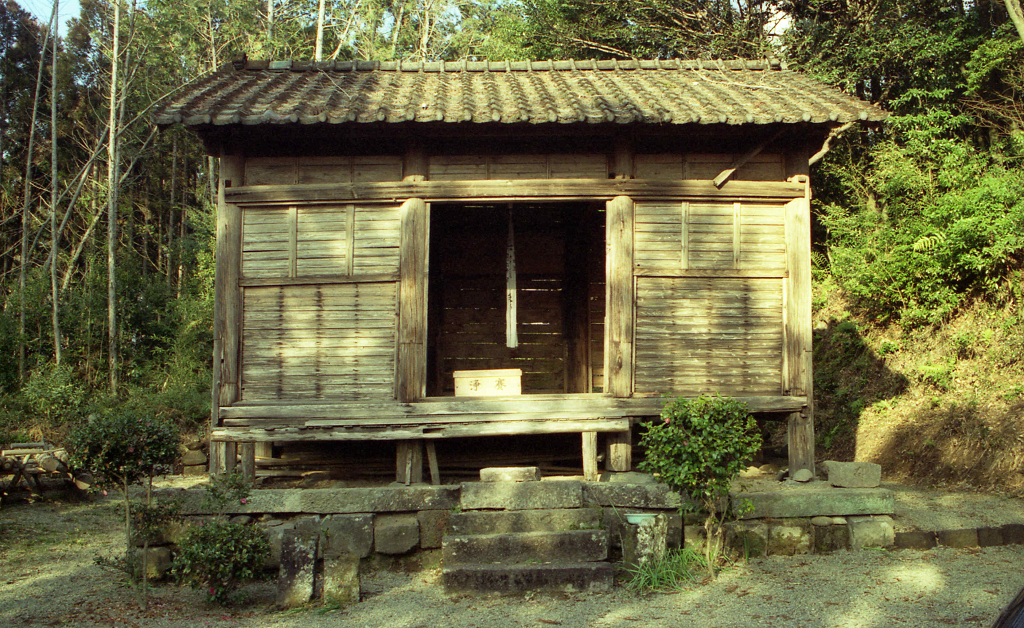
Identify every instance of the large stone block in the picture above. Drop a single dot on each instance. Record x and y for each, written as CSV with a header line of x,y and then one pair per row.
x,y
274,531
813,500
618,495
341,580
158,561
525,547
298,569
569,577
644,544
871,531
510,474
830,538
521,495
853,474
746,539
389,499
347,535
544,520
433,523
961,538
615,520
990,537
788,538
395,534
914,539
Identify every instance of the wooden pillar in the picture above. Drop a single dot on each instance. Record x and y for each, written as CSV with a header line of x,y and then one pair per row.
x,y
247,460
798,376
227,307
409,456
590,473
618,352
412,302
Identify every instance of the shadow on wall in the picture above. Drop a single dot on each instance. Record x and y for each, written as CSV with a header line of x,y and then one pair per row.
x,y
849,378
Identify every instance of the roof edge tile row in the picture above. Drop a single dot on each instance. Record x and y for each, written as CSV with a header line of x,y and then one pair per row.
x,y
510,66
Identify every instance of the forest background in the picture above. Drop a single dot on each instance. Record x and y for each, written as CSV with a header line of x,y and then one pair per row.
x,y
107,238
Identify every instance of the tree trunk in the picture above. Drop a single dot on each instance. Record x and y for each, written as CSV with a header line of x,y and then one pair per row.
x,y
25,207
54,240
319,50
112,176
1016,11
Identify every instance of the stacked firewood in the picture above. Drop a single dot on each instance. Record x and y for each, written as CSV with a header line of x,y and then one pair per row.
x,y
30,462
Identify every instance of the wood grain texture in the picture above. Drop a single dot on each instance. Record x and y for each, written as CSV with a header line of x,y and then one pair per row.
x,y
705,335
619,298
439,190
411,373
227,293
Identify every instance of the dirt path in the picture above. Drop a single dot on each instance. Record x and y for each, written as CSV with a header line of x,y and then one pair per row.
x,y
48,578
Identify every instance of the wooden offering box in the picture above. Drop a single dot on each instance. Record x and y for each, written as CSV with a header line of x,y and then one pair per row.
x,y
489,383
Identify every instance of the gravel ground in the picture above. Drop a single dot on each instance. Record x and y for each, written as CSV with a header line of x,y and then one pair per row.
x,y
48,578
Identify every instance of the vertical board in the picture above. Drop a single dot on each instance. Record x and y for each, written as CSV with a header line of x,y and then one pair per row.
x,y
411,372
323,342
619,298
697,335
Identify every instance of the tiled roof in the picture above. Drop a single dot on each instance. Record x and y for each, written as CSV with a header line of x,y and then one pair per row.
x,y
669,92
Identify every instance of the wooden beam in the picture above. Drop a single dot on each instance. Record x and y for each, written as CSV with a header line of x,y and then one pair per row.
x,y
799,377
411,381
440,409
227,303
319,279
518,190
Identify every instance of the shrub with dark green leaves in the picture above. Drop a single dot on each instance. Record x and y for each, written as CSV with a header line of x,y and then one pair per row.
x,y
124,447
699,447
218,556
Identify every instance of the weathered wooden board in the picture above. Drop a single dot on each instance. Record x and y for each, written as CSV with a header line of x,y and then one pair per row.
x,y
703,335
682,236
318,341
514,167
762,167
334,169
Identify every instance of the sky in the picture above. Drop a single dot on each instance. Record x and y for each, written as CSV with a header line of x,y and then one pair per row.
x,y
42,8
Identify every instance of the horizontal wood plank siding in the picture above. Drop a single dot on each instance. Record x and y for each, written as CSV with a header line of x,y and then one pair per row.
x,y
516,167
327,342
701,335
675,236
312,170
762,167
336,239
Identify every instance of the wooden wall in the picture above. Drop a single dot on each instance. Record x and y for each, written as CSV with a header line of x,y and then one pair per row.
x,y
320,295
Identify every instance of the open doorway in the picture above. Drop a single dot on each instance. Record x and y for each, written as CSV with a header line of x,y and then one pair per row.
x,y
558,305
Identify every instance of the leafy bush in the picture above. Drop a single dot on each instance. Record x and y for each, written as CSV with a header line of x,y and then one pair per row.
x,y
218,556
123,447
699,447
53,392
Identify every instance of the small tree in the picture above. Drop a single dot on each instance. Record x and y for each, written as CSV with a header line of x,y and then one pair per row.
x,y
699,447
123,448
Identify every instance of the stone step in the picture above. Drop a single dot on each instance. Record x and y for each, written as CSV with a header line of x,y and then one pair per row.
x,y
504,521
570,577
581,546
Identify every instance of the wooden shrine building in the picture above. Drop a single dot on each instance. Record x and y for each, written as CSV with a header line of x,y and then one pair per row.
x,y
618,231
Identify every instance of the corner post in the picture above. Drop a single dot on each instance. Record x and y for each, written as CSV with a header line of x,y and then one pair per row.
x,y
227,307
799,375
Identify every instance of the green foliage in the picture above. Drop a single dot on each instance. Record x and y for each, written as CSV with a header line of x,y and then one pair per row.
x,y
700,445
217,556
149,520
123,447
678,568
54,393
226,490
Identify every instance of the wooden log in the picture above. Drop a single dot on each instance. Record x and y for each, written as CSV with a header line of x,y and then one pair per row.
x,y
411,380
518,190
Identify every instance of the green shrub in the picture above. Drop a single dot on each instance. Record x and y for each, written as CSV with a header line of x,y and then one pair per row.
x,y
123,447
53,393
216,557
699,447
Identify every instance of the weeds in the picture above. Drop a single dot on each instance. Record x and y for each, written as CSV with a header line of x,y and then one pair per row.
x,y
678,568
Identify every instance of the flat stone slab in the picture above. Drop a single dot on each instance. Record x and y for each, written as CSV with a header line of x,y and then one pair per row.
x,y
510,474
812,501
395,534
580,546
548,520
621,495
521,495
853,474
347,535
568,577
327,501
341,580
